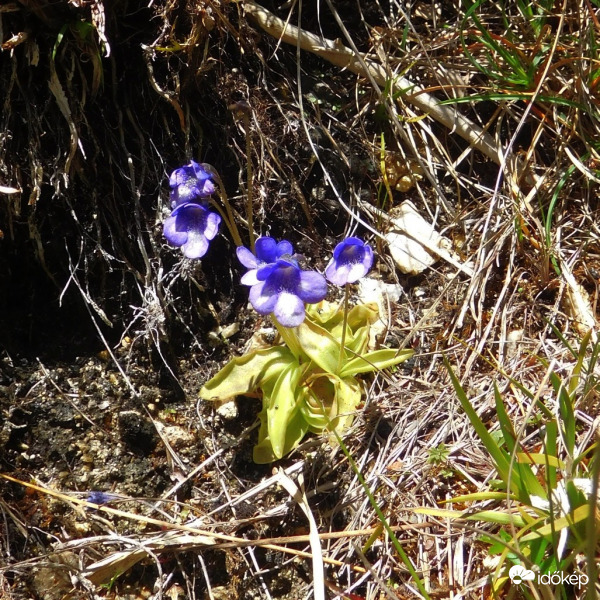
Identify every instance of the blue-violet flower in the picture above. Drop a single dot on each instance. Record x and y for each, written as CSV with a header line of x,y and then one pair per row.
x,y
283,288
190,183
97,497
352,259
191,226
267,251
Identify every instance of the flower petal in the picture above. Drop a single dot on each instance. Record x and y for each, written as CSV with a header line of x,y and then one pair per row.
x,y
249,278
185,192
368,258
174,236
246,257
312,287
207,188
190,183
352,259
211,224
205,183
337,274
281,286
191,226
266,249
264,272
289,309
181,175
343,245
355,272
284,247
196,245
263,301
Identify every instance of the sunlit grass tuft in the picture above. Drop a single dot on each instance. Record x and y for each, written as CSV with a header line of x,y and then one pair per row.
x,y
547,479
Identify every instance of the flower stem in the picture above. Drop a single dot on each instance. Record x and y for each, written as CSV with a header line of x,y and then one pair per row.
x,y
249,180
233,231
243,111
229,220
344,324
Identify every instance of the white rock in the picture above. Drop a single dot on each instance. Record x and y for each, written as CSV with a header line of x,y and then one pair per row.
x,y
415,245
227,409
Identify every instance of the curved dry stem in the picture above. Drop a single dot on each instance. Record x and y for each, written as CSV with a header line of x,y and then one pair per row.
x,y
338,54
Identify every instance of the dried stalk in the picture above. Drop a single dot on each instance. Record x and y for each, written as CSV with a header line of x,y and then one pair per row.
x,y
336,53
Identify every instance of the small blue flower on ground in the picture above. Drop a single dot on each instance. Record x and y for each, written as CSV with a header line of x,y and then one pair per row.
x,y
283,288
267,251
190,183
352,259
191,226
96,497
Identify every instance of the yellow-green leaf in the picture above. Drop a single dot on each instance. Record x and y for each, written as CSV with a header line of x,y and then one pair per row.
x,y
487,516
579,514
283,406
263,452
246,373
375,361
536,458
319,345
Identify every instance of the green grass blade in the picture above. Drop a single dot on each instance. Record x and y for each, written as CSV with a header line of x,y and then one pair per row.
x,y
547,218
515,96
487,516
522,473
500,458
551,451
479,496
577,516
395,542
592,525
579,367
567,415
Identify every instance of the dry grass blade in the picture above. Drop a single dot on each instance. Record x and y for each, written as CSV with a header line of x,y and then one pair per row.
x,y
315,543
183,537
107,569
338,54
5,189
578,304
63,104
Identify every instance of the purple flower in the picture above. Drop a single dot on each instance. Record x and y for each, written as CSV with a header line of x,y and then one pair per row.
x,y
191,226
190,183
352,259
97,497
283,288
267,251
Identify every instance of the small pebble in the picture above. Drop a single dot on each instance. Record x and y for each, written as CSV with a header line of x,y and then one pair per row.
x,y
227,409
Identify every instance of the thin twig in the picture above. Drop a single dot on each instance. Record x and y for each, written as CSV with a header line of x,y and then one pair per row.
x,y
336,53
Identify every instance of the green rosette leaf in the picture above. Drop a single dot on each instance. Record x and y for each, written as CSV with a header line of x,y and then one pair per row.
x,y
326,314
319,345
264,453
330,402
362,314
375,361
244,374
282,406
319,398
